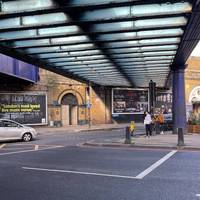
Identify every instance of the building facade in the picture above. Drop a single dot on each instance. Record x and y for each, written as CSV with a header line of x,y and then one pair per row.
x,y
192,85
70,102
59,101
36,96
72,97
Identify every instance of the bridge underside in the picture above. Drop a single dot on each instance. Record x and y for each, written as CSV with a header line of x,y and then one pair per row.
x,y
15,71
111,43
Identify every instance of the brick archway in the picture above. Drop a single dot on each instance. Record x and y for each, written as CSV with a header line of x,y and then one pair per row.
x,y
73,92
70,101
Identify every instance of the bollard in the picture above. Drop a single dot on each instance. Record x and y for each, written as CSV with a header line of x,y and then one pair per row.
x,y
180,137
128,136
132,127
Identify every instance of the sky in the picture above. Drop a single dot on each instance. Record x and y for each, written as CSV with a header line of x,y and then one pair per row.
x,y
196,51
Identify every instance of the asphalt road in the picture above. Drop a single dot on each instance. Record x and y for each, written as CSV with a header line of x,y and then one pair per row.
x,y
54,171
72,139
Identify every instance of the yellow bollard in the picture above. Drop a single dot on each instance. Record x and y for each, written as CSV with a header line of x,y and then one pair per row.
x,y
132,127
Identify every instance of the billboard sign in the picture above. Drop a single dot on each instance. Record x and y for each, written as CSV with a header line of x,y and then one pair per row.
x,y
129,101
26,108
164,101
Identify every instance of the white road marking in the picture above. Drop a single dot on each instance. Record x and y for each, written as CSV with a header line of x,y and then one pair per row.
x,y
139,176
3,145
36,147
155,165
78,172
197,195
26,151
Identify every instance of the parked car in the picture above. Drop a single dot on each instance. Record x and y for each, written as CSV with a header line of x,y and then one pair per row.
x,y
11,130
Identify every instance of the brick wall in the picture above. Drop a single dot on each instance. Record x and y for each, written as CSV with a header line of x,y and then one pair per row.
x,y
57,86
192,76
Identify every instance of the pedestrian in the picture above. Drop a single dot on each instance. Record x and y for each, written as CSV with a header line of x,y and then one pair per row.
x,y
147,123
161,122
157,123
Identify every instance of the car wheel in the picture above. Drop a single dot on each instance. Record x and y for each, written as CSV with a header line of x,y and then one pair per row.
x,y
27,137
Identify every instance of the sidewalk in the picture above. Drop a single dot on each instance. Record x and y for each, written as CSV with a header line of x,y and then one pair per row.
x,y
168,140
78,128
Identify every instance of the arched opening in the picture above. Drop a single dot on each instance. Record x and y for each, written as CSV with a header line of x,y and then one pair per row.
x,y
69,109
194,102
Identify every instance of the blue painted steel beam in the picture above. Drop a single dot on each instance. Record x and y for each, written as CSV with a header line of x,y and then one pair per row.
x,y
18,69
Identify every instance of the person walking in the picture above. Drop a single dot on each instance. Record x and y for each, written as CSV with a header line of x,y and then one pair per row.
x,y
157,123
161,122
147,123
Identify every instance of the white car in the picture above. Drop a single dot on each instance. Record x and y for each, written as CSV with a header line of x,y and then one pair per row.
x,y
11,130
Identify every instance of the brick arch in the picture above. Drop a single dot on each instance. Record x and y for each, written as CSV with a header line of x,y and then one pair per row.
x,y
71,91
193,94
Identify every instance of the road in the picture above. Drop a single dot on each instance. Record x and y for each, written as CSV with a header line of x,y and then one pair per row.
x,y
72,139
55,167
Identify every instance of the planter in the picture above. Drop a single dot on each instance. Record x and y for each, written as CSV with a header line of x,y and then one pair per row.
x,y
193,128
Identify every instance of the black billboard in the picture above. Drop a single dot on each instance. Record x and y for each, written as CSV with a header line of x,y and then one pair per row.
x,y
25,108
164,102
129,101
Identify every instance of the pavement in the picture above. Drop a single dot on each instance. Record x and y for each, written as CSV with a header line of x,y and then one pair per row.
x,y
168,140
79,128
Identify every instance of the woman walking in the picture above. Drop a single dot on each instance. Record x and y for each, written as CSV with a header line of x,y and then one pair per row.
x,y
147,123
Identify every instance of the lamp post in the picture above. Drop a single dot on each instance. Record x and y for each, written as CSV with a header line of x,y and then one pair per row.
x,y
89,104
